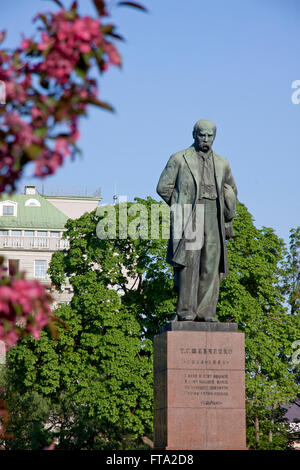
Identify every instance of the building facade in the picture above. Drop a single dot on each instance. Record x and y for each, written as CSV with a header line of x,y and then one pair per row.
x,y
31,230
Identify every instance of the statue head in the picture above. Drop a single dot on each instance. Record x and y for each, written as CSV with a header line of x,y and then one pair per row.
x,y
204,134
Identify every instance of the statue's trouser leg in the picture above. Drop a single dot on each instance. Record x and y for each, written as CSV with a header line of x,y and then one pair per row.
x,y
209,278
187,282
198,282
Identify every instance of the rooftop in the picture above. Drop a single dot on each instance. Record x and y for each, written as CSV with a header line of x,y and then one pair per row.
x,y
33,211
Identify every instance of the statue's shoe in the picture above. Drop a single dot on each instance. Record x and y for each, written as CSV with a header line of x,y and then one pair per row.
x,y
186,318
207,319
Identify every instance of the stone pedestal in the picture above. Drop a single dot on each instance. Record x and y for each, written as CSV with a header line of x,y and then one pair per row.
x,y
199,387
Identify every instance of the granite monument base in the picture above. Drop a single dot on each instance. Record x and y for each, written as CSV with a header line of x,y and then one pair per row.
x,y
199,387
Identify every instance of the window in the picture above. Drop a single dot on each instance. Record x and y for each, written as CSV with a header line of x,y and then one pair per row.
x,y
42,241
8,210
57,236
40,268
4,241
16,237
29,233
32,203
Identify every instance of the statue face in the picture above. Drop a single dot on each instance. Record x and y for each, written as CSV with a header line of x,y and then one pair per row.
x,y
204,137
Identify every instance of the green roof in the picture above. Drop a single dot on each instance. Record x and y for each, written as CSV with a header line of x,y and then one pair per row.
x,y
47,216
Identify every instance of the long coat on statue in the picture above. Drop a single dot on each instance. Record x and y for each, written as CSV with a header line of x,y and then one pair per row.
x,y
179,184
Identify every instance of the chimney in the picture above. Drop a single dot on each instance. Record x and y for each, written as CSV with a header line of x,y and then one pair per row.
x,y
30,189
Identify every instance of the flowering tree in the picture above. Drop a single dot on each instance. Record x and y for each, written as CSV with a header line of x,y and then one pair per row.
x,y
24,306
49,86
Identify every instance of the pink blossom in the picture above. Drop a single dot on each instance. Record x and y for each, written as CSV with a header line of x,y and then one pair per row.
x,y
8,294
58,67
26,82
25,44
85,48
4,307
62,146
87,29
37,113
32,298
4,57
40,168
14,91
32,289
22,131
113,55
10,338
58,52
47,166
35,331
46,42
75,134
40,320
26,304
83,94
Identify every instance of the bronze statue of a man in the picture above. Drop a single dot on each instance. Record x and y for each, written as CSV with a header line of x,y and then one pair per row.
x,y
199,179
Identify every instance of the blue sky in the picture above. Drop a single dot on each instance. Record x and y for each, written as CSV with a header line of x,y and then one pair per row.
x,y
229,61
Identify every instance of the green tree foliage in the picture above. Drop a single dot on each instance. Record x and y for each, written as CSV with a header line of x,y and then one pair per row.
x,y
149,295
291,272
98,375
251,296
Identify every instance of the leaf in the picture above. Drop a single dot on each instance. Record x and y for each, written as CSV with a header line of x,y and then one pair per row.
x,y
109,30
50,101
41,131
43,17
101,104
86,57
116,36
70,15
99,52
59,3
33,151
134,5
80,72
100,6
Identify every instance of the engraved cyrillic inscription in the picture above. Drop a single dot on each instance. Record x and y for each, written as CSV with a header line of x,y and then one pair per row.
x,y
209,385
